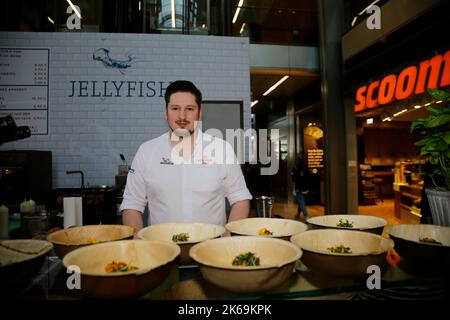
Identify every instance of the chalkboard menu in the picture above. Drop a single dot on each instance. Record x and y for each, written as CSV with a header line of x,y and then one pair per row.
x,y
24,89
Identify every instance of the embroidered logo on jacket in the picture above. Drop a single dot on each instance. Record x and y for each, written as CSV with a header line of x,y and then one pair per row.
x,y
166,161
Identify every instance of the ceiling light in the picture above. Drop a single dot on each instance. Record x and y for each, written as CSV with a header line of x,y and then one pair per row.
x,y
368,7
440,101
417,107
51,21
74,9
139,5
275,85
387,119
172,8
369,120
236,14
242,28
427,104
253,103
354,21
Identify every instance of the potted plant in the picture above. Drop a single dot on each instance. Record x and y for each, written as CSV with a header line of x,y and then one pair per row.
x,y
436,146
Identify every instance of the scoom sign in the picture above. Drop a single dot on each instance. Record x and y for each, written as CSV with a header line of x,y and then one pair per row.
x,y
433,73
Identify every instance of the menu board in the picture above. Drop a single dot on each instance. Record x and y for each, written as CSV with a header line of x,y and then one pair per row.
x,y
313,145
315,158
24,87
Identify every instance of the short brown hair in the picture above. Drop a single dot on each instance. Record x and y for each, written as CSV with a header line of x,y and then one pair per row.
x,y
183,86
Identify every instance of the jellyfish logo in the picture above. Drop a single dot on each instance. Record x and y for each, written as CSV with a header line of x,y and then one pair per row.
x,y
102,55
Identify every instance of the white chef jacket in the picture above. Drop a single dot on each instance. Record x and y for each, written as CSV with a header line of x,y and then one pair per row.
x,y
179,190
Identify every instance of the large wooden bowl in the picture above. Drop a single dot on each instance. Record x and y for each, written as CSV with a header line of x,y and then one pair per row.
x,y
197,232
153,259
422,256
67,240
366,249
360,222
215,257
280,228
20,260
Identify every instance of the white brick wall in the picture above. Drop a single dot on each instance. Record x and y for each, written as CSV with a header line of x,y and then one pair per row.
x,y
89,133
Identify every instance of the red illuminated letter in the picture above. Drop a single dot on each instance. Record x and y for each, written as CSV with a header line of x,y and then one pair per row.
x,y
372,103
433,67
407,76
387,89
360,99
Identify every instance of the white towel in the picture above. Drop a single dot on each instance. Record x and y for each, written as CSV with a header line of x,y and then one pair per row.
x,y
73,212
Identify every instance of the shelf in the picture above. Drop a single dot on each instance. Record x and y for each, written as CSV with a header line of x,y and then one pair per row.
x,y
410,195
368,194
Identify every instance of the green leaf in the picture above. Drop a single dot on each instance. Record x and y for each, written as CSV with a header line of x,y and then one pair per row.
x,y
436,110
439,94
418,123
438,121
446,137
433,161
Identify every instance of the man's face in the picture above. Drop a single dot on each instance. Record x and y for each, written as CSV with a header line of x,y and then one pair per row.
x,y
181,113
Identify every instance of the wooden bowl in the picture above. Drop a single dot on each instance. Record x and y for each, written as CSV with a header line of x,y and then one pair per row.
x,y
360,222
421,256
153,259
366,249
67,240
280,228
215,257
197,232
20,260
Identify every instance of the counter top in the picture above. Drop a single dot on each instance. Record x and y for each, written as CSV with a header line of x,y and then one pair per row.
x,y
186,283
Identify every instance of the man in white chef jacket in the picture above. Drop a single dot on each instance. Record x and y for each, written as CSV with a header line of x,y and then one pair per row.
x,y
184,175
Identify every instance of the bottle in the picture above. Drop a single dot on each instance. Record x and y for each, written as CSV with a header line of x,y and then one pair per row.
x,y
4,222
24,207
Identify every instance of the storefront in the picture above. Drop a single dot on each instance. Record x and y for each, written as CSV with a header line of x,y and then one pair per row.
x,y
390,166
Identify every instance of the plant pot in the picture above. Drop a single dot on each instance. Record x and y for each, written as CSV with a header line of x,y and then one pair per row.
x,y
439,199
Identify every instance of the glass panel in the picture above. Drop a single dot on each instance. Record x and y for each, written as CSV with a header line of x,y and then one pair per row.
x,y
186,16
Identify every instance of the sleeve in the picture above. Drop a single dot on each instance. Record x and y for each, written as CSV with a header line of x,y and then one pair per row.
x,y
234,182
134,196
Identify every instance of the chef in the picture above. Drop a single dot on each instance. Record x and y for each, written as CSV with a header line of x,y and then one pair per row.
x,y
184,175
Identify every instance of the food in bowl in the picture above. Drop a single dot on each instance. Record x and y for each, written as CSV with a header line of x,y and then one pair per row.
x,y
246,259
419,256
349,222
430,240
276,262
93,240
67,240
153,261
183,234
267,227
180,237
351,260
120,267
265,232
344,224
340,249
